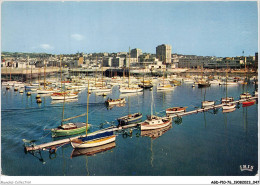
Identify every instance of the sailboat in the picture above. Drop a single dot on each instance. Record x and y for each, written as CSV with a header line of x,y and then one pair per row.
x,y
155,122
45,90
154,134
207,103
130,89
202,82
245,97
69,128
228,105
63,95
103,89
165,86
93,140
145,84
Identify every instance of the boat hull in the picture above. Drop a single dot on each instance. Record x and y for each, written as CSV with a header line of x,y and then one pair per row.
x,y
125,120
248,103
203,85
122,101
94,143
207,103
61,132
93,150
228,106
145,126
178,110
45,91
62,97
134,90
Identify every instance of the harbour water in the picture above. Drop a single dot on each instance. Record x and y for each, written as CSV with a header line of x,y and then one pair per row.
x,y
211,143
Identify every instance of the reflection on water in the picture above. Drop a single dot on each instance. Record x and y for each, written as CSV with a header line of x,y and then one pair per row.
x,y
156,132
228,110
93,150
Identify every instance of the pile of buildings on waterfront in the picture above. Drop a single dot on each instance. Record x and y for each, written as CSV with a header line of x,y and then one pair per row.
x,y
162,59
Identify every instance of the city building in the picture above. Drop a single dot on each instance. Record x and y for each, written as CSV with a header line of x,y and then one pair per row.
x,y
118,62
107,62
135,53
163,53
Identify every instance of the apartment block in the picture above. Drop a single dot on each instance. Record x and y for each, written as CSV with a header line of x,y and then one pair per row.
x,y
163,53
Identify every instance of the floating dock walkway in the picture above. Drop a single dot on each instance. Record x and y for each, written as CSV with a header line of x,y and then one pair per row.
x,y
53,144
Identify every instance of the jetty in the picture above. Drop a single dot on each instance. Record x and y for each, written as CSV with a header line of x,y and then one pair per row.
x,y
53,144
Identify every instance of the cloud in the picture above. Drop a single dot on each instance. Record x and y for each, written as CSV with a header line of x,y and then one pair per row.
x,y
46,47
77,36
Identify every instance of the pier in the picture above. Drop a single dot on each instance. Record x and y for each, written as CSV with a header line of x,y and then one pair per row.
x,y
52,145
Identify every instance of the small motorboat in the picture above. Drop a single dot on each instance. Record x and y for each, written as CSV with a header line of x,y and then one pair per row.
x,y
248,103
174,110
128,119
110,101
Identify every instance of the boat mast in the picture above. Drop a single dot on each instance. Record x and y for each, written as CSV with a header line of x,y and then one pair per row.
x,y
102,72
26,68
10,69
152,105
60,75
96,73
63,110
226,80
39,73
31,74
246,75
129,69
44,74
163,69
5,70
87,110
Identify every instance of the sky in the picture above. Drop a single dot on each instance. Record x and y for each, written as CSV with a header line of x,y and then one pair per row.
x,y
197,28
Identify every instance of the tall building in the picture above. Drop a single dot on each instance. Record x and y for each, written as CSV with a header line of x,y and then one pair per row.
x,y
163,53
135,53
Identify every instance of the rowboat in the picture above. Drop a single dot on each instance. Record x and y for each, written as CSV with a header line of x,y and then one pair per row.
x,y
228,110
174,110
110,101
69,129
155,122
128,119
248,103
228,106
207,103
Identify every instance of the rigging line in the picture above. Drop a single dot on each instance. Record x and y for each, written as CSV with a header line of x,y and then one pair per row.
x,y
44,136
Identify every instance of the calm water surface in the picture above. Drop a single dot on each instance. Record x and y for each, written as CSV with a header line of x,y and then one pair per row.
x,y
204,144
